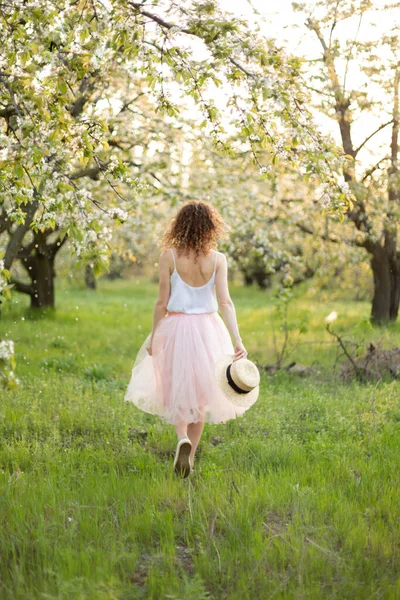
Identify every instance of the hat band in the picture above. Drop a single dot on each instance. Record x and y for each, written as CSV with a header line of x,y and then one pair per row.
x,y
233,384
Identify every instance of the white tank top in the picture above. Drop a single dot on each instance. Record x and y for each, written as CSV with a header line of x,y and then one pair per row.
x,y
192,300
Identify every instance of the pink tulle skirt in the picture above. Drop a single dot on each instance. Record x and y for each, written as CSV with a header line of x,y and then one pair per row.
x,y
178,382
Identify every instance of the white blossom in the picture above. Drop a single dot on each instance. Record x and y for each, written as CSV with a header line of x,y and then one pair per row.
x,y
118,213
91,236
331,317
6,350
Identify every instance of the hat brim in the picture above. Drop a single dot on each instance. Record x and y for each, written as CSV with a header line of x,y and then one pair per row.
x,y
243,400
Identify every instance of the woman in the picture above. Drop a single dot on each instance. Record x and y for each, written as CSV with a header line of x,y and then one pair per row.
x,y
174,372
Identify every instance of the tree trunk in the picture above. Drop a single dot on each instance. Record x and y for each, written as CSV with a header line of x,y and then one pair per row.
x,y
38,259
394,288
394,200
248,279
42,274
90,279
262,278
386,273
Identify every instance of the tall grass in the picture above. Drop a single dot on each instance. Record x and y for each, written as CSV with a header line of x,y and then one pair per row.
x,y
297,499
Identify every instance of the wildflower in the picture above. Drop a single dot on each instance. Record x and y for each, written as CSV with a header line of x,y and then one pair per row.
x,y
331,317
6,350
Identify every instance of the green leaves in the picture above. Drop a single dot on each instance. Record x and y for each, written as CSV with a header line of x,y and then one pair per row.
x,y
62,86
104,99
18,170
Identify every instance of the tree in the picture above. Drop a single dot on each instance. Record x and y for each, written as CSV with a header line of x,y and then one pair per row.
x,y
48,85
347,99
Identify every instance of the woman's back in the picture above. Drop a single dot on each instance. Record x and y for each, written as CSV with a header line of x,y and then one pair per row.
x,y
194,273
193,284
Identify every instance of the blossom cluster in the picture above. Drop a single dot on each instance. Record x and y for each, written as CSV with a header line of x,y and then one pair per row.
x,y
6,350
7,364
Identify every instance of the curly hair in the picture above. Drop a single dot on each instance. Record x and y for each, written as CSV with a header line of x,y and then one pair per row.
x,y
196,226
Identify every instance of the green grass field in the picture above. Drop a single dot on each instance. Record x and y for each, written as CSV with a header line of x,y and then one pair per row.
x,y
297,499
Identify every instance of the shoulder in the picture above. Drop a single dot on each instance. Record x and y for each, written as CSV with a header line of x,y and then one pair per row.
x,y
165,255
221,259
165,259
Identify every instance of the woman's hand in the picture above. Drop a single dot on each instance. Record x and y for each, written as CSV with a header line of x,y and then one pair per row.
x,y
149,347
240,351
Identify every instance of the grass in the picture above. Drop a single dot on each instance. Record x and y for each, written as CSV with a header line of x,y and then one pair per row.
x,y
297,499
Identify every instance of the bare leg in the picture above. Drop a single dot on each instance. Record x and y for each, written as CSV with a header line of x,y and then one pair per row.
x,y
194,431
181,429
182,464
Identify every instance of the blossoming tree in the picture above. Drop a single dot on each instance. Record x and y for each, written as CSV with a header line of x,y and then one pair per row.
x,y
60,60
356,83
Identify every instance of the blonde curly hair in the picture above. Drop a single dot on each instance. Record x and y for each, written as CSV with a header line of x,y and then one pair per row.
x,y
196,226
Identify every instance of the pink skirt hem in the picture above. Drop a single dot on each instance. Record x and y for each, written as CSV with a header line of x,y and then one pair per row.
x,y
177,382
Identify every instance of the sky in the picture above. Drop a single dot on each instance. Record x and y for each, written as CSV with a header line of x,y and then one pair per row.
x,y
278,19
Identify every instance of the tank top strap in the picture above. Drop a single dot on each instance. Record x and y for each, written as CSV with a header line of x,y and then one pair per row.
x,y
215,262
173,256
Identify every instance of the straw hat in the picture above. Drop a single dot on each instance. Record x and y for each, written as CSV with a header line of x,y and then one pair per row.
x,y
239,379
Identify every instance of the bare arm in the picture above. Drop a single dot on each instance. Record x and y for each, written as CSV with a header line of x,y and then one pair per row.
x,y
226,306
164,289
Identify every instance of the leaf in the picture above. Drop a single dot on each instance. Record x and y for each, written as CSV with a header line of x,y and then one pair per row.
x,y
83,35
7,293
24,57
36,155
18,170
62,86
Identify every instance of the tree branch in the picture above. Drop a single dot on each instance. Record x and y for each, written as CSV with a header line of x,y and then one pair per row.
x,y
349,53
57,245
356,151
24,288
139,8
92,172
18,235
7,112
341,102
371,170
85,86
328,238
323,236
